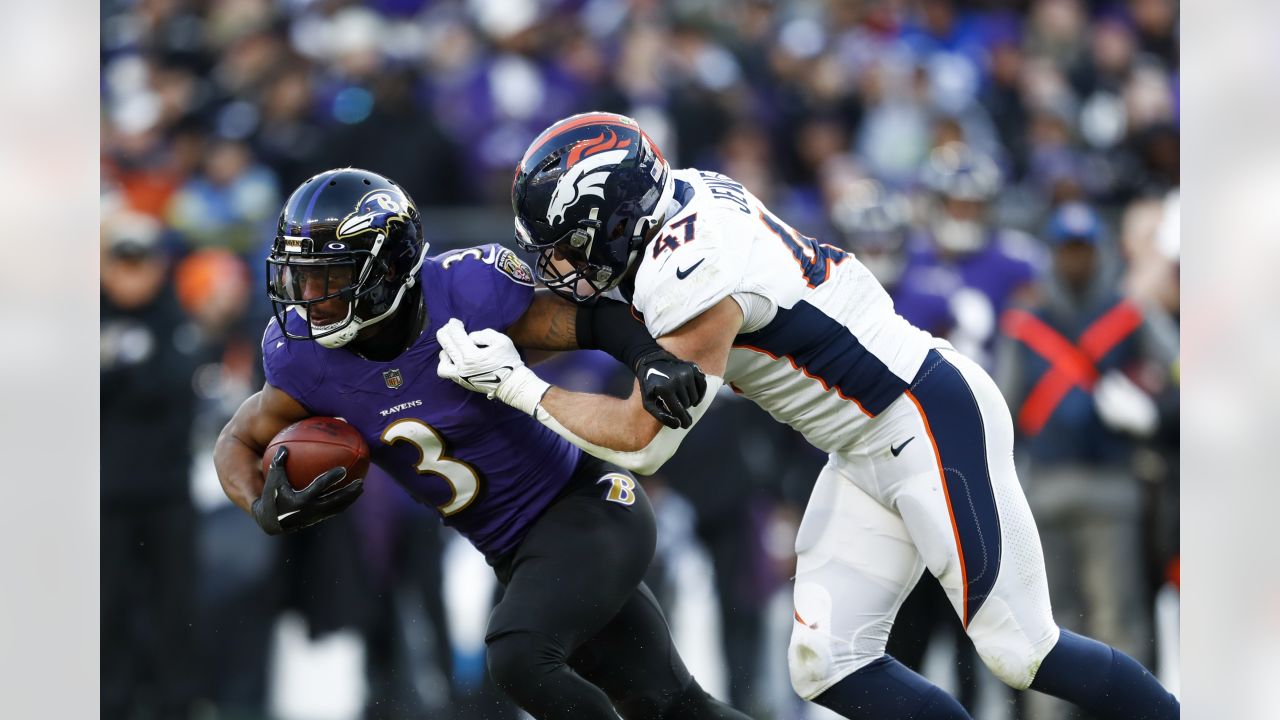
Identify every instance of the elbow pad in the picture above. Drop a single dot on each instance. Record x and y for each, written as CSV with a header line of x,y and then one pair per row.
x,y
647,460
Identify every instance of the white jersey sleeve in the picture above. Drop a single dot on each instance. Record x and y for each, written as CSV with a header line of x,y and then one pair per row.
x,y
688,268
825,351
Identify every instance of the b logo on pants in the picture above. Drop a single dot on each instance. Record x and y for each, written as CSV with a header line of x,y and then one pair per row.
x,y
621,488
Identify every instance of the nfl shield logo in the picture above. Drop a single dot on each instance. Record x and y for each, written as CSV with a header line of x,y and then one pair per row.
x,y
392,378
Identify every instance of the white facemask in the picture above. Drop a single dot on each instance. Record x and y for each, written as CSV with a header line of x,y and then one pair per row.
x,y
958,236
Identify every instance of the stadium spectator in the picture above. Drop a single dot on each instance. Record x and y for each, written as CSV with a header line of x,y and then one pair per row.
x,y
1066,366
149,350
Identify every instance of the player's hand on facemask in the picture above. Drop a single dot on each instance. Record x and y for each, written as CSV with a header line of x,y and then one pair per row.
x,y
487,362
670,386
281,509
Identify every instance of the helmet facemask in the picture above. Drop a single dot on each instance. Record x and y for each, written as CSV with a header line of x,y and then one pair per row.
x,y
308,282
579,267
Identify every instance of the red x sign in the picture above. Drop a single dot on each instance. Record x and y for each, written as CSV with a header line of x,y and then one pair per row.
x,y
1070,364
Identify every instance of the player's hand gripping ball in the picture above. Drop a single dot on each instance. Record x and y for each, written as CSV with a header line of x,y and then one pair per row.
x,y
314,470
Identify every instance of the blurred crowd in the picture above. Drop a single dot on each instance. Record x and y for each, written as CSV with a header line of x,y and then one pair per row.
x,y
1009,170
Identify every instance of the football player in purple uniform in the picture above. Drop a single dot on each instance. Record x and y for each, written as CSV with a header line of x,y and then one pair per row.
x,y
357,303
960,253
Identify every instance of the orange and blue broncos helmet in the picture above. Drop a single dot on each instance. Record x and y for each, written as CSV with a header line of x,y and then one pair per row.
x,y
586,195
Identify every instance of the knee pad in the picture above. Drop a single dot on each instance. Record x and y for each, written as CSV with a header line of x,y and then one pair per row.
x,y
817,659
1012,650
809,661
521,657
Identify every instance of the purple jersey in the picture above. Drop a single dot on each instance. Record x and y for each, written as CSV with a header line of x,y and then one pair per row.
x,y
923,306
978,286
489,469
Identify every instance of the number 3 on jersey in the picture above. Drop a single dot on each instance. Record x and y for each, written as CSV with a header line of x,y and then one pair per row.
x,y
463,479
815,259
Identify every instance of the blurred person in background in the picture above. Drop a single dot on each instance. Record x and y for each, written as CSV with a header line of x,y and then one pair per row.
x,y
957,252
1066,365
422,157
873,223
1151,246
212,285
149,350
229,203
289,138
240,589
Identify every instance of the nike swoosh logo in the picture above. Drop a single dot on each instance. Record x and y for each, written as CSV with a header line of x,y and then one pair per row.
x,y
490,377
896,450
659,373
682,274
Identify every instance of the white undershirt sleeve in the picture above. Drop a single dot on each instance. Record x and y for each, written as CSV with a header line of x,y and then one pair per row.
x,y
648,459
757,310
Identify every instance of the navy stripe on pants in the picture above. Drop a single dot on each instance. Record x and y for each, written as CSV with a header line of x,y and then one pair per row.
x,y
955,425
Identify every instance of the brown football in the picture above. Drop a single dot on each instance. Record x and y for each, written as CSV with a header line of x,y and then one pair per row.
x,y
315,445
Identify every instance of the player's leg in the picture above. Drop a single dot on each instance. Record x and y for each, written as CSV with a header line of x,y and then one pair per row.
x,y
579,564
924,618
987,554
635,662
855,565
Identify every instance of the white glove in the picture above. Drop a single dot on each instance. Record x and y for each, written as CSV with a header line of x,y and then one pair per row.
x,y
487,362
1123,406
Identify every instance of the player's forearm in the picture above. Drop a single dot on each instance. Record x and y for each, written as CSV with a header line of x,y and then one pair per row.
x,y
239,469
621,425
617,431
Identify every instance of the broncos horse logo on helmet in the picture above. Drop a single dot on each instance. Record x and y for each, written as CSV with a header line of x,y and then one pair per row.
x,y
586,195
348,248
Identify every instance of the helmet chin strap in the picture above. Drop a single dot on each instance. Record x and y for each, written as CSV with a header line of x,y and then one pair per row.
x,y
663,210
353,328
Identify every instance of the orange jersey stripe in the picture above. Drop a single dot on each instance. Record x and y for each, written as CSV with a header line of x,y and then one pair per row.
x,y
807,374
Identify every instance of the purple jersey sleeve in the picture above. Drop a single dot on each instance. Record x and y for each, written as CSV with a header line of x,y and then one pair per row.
x,y
291,365
491,287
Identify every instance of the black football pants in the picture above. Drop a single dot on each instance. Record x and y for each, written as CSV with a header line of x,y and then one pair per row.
x,y
577,635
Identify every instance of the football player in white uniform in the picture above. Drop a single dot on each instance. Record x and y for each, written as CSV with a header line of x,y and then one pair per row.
x,y
921,471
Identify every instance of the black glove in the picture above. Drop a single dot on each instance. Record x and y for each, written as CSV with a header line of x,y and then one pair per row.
x,y
670,386
282,509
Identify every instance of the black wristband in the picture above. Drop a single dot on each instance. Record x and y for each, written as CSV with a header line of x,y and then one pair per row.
x,y
608,325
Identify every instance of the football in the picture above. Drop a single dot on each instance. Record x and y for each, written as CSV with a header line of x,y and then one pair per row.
x,y
317,444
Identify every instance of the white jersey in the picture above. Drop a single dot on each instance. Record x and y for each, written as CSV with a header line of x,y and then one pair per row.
x,y
821,347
